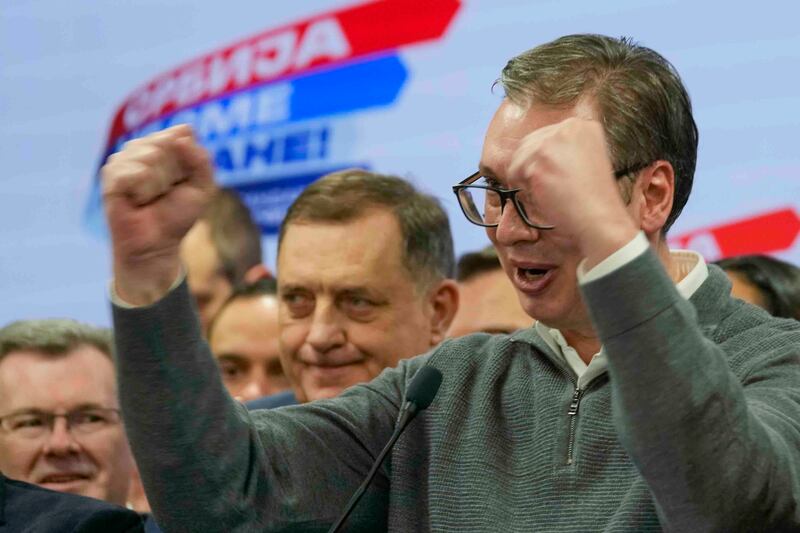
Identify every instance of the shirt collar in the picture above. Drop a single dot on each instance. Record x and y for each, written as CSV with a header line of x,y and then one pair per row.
x,y
689,266
692,270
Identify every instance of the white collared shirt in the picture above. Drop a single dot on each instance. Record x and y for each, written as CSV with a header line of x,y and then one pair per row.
x,y
691,269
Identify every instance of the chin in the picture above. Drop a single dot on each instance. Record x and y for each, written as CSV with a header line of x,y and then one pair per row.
x,y
97,494
542,312
324,393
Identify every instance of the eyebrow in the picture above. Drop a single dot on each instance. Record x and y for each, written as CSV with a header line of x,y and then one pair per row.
x,y
486,169
356,290
25,411
36,410
274,366
232,357
377,297
292,287
340,290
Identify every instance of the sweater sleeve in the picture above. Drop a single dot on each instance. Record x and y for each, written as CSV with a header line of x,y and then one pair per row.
x,y
718,452
208,464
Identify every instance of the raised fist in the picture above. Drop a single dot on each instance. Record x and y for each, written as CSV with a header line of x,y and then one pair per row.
x,y
566,167
154,190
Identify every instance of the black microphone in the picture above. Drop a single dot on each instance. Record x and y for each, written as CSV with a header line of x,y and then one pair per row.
x,y
419,395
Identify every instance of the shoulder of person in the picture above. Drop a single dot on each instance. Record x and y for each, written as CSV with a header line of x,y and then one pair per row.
x,y
473,349
451,355
750,337
27,507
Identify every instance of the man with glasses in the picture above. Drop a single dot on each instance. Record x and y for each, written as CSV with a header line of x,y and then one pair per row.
x,y
60,425
644,397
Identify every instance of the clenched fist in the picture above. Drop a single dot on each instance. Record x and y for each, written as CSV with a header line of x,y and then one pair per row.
x,y
153,190
566,167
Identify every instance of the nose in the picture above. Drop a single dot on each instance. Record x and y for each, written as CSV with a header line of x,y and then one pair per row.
x,y
253,389
60,440
327,330
511,228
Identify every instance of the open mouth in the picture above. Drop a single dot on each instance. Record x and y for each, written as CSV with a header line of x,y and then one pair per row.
x,y
533,274
533,280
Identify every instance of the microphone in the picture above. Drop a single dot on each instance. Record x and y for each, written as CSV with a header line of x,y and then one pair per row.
x,y
419,395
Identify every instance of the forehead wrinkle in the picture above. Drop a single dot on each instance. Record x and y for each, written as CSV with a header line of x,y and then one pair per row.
x,y
512,122
75,378
242,320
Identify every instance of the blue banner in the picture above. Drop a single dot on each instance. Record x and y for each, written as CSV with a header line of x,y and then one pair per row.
x,y
268,201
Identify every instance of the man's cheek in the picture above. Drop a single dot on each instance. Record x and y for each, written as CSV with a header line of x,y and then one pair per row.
x,y
373,365
12,461
290,338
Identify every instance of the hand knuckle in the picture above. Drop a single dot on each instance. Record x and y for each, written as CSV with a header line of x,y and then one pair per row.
x,y
132,143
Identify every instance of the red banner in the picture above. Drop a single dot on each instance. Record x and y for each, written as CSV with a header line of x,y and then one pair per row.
x,y
322,40
770,232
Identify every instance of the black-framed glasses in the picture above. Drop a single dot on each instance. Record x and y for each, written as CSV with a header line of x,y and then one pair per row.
x,y
482,202
34,424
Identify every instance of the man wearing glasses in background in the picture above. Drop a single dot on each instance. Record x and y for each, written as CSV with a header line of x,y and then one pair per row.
x,y
60,425
644,398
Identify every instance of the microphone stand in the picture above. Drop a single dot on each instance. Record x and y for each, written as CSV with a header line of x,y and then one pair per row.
x,y
407,414
419,395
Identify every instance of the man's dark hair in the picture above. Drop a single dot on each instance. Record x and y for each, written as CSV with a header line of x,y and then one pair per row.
x,y
344,196
235,235
473,264
260,287
644,107
55,336
776,280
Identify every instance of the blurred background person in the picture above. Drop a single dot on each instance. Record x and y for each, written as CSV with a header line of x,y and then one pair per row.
x,y
244,339
365,263
221,251
60,424
766,282
489,302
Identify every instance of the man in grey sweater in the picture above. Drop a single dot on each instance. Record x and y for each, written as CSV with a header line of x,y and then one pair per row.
x,y
643,398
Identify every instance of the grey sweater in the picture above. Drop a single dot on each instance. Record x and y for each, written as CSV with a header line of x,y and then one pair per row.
x,y
695,427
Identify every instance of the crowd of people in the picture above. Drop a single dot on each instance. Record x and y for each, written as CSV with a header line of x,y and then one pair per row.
x,y
593,379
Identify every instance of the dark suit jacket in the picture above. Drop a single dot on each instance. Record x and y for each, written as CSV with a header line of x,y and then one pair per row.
x,y
26,508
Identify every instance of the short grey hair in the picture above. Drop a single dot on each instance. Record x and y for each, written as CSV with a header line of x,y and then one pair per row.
x,y
345,195
55,336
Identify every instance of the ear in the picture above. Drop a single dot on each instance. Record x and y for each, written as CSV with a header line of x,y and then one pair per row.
x,y
443,304
257,272
653,193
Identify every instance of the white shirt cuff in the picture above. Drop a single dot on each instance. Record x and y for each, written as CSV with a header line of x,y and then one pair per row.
x,y
635,247
119,302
